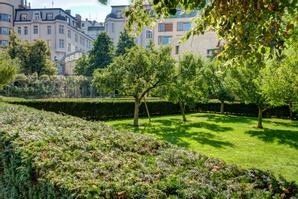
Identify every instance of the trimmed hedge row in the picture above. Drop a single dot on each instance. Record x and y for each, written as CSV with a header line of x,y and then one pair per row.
x,y
107,110
46,155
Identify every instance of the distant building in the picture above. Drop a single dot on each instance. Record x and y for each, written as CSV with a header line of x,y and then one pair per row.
x,y
168,31
55,26
92,28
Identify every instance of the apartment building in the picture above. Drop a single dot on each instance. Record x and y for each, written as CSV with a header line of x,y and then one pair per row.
x,y
92,28
167,31
7,13
55,26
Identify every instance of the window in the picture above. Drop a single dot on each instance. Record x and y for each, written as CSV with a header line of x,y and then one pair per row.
x,y
69,47
25,30
76,37
61,29
165,27
36,16
4,31
83,24
149,34
24,17
183,26
69,33
77,48
113,27
212,52
3,43
164,40
19,30
177,50
49,30
35,30
49,16
61,43
5,17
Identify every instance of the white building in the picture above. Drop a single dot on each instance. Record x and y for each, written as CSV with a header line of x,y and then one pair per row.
x,y
92,28
168,31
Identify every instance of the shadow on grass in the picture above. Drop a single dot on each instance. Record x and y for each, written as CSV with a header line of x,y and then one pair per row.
x,y
177,132
229,118
285,137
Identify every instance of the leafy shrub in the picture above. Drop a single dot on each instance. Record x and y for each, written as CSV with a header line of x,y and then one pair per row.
x,y
46,155
98,109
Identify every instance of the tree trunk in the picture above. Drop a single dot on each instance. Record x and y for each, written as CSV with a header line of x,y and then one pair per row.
x,y
222,107
136,114
291,112
182,108
260,118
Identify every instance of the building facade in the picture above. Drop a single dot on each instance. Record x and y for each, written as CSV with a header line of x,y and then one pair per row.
x,y
7,13
169,31
92,28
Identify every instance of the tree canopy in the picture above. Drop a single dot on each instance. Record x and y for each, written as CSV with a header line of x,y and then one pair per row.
x,y
136,74
125,43
8,68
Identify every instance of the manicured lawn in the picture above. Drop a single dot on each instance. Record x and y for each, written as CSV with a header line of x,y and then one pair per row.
x,y
231,138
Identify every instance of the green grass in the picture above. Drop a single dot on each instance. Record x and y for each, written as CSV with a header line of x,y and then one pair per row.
x,y
231,138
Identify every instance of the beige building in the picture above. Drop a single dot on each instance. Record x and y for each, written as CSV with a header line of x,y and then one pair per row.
x,y
92,28
7,13
167,31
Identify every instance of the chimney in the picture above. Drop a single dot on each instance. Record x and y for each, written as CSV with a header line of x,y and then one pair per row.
x,y
79,20
68,12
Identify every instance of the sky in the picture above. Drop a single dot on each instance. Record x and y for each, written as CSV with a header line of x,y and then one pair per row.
x,y
90,9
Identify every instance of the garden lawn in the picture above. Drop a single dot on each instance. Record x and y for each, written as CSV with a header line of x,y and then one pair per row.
x,y
231,138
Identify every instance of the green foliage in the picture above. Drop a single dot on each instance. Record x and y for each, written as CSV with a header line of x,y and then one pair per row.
x,y
125,43
82,65
45,155
8,68
187,88
101,55
44,86
34,57
249,28
136,74
116,108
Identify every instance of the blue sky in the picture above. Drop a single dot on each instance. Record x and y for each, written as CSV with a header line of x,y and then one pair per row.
x,y
87,8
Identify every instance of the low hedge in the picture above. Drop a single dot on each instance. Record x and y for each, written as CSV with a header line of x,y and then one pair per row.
x,y
98,109
47,155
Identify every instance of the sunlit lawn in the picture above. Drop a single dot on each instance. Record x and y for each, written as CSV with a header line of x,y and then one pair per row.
x,y
231,138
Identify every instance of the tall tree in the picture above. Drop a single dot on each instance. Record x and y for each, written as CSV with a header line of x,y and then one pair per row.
x,y
14,45
136,74
186,88
125,43
8,68
82,65
101,55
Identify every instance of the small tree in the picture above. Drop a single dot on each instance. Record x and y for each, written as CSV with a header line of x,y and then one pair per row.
x,y
125,43
136,74
245,83
82,65
215,77
184,88
8,68
101,55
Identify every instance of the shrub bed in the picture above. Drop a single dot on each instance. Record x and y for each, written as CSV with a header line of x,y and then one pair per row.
x,y
46,155
123,108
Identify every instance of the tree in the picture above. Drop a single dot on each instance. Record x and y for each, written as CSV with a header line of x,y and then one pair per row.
x,y
82,65
245,83
215,77
8,68
184,89
40,59
136,74
101,55
34,57
125,43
